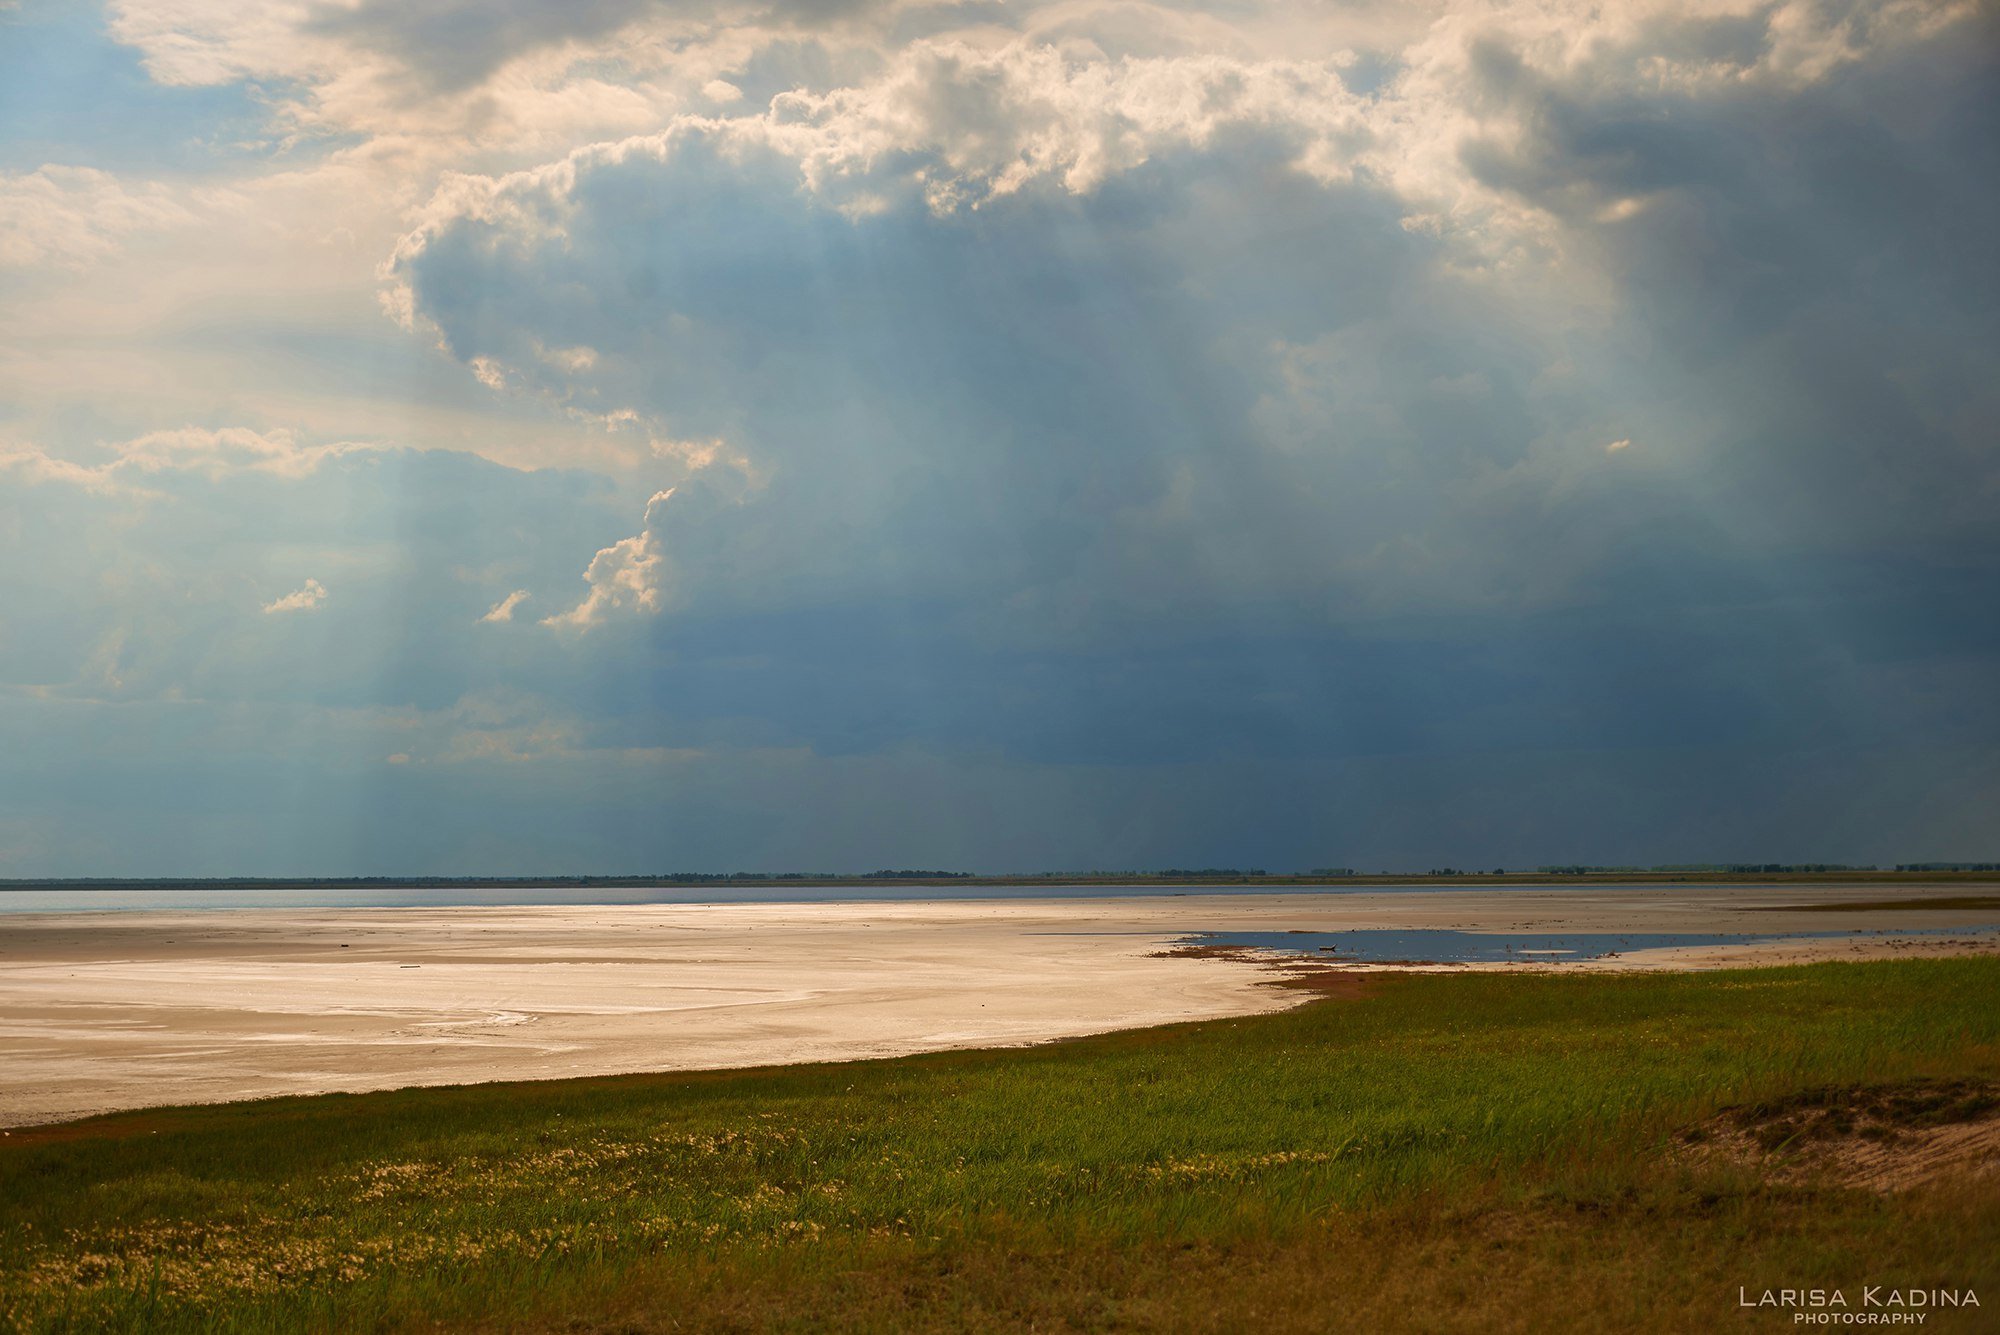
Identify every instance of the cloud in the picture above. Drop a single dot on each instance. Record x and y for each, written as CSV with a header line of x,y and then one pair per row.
x,y
34,465
1048,350
160,587
70,217
965,125
894,373
229,449
202,451
628,577
956,126
460,43
1168,423
962,120
504,609
1074,87
202,42
306,598
404,90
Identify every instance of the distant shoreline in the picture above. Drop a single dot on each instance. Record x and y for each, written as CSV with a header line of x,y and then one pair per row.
x,y
1048,880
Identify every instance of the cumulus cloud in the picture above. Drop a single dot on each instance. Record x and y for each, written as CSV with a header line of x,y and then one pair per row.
x,y
1556,188
1074,87
628,577
504,609
1043,352
965,125
306,598
956,126
961,120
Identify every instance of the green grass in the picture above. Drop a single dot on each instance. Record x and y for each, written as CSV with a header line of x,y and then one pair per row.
x,y
1947,903
1471,1151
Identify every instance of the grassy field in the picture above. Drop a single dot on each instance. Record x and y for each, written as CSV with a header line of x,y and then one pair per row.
x,y
1949,903
1441,1152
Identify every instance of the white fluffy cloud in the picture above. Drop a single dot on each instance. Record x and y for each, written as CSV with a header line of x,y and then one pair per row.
x,y
960,126
628,577
306,598
965,125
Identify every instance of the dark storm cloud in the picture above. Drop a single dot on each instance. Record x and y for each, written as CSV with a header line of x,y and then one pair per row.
x,y
1551,438
1216,461
1811,261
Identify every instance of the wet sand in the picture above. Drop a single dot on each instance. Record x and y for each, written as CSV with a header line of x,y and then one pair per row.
x,y
104,1011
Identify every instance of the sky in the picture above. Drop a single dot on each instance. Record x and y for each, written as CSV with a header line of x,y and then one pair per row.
x,y
616,436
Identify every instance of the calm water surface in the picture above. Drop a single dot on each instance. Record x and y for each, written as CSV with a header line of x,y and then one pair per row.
x,y
1436,946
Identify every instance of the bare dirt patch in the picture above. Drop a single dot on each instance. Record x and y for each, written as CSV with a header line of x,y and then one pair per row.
x,y
1882,1138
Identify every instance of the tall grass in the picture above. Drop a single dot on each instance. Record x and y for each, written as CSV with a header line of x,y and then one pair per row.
x,y
1430,1108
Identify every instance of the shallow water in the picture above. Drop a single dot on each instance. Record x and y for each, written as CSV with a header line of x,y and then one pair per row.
x,y
1439,946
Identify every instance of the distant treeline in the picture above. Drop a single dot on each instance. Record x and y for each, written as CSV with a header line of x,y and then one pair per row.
x,y
700,878
1192,875
1737,868
1177,873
